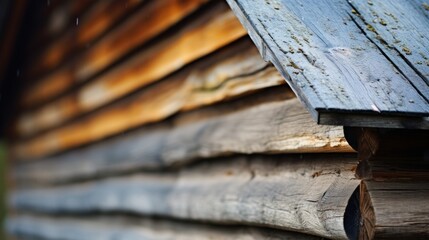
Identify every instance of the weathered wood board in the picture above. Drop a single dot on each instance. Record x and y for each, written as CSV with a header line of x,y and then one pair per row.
x,y
273,127
335,66
395,209
400,29
212,30
182,92
229,72
308,194
130,228
153,18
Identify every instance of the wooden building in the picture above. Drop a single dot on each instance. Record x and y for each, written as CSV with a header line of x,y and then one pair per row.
x,y
198,119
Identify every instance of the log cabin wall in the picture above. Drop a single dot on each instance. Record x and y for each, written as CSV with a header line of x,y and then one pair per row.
x,y
161,120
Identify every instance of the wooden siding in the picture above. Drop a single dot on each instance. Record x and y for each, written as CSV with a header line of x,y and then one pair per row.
x,y
161,120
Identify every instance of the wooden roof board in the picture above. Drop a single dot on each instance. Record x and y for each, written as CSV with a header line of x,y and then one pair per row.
x,y
340,64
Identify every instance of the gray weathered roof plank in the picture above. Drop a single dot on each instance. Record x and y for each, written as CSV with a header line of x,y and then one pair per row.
x,y
334,59
401,29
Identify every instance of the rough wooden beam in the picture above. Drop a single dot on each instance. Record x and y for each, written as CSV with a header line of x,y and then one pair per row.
x,y
394,194
120,227
282,126
153,18
307,194
390,153
232,71
394,210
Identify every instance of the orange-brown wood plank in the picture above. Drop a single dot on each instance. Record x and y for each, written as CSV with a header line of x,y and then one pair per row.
x,y
234,71
155,18
214,28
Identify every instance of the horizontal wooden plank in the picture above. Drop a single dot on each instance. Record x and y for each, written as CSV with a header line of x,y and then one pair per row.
x,y
233,71
156,17
153,18
120,227
81,31
274,127
330,62
211,31
373,121
395,210
185,91
307,194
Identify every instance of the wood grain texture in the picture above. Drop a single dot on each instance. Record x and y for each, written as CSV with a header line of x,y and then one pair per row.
x,y
332,65
395,210
273,127
184,91
212,30
130,228
150,20
400,29
308,195
236,70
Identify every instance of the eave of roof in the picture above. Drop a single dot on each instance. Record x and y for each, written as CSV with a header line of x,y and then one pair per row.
x,y
352,63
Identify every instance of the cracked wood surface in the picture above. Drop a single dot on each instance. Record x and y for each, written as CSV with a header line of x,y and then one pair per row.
x,y
306,194
132,228
278,126
233,71
335,63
